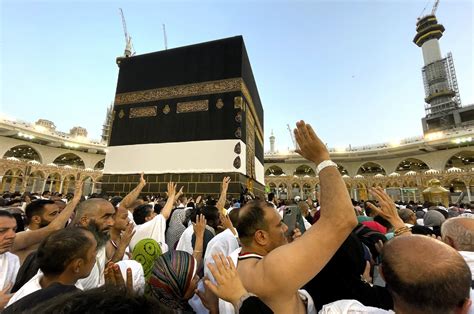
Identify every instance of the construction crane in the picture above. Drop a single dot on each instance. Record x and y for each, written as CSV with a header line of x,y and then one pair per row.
x,y
164,36
295,145
433,10
129,51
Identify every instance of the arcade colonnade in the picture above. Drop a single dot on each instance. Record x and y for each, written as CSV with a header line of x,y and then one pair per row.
x,y
403,178
31,167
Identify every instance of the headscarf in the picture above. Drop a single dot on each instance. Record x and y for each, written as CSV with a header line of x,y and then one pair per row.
x,y
170,279
176,227
146,251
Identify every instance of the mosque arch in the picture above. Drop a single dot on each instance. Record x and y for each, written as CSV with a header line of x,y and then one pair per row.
x,y
462,160
412,164
370,168
12,180
282,191
274,170
457,186
89,186
342,170
35,181
100,165
304,170
69,159
24,153
53,182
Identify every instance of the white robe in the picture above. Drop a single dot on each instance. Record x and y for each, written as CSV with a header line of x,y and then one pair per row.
x,y
153,229
185,241
31,286
9,266
96,277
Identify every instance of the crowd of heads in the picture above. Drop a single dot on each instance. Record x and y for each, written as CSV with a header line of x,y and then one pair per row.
x,y
72,254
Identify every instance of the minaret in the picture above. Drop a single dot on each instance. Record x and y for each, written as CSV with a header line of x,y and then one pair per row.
x,y
272,143
439,77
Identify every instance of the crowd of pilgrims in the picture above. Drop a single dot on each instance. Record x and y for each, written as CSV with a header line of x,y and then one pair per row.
x,y
178,254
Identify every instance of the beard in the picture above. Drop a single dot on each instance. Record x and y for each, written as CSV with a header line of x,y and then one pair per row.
x,y
44,223
100,236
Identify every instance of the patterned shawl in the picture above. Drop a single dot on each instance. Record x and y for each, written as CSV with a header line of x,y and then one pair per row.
x,y
146,251
171,277
176,227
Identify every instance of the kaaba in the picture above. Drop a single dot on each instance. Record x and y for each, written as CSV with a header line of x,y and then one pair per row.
x,y
191,115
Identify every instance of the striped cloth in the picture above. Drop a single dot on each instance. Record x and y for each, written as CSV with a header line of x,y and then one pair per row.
x,y
171,277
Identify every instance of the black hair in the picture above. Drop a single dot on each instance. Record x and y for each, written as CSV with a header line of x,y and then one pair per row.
x,y
4,213
211,213
45,192
271,196
36,208
60,248
251,219
141,212
105,299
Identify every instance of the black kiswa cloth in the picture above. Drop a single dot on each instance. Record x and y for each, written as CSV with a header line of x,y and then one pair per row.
x,y
181,72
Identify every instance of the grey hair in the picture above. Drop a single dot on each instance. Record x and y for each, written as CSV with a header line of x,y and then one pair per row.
x,y
457,231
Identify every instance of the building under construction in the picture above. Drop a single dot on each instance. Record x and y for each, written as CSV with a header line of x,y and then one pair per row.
x,y
443,103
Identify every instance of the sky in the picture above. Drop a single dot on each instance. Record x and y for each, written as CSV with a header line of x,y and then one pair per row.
x,y
349,68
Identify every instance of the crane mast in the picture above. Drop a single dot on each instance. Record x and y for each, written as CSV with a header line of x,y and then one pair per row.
x,y
128,39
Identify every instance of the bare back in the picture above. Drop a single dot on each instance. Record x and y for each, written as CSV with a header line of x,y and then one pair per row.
x,y
279,301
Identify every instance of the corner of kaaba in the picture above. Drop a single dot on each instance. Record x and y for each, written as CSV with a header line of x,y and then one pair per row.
x,y
190,115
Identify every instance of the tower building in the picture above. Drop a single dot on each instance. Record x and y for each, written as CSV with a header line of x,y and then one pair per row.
x,y
442,100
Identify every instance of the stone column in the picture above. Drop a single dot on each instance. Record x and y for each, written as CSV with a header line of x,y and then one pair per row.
x,y
61,187
12,185
33,185
44,185
401,195
468,190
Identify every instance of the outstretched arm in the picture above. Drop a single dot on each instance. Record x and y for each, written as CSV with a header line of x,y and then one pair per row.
x,y
317,246
133,195
25,239
221,202
166,211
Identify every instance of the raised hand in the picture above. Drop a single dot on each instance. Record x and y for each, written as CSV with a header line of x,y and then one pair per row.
x,y
171,189
200,226
142,179
180,192
78,190
310,146
127,235
113,276
229,286
225,184
198,199
387,208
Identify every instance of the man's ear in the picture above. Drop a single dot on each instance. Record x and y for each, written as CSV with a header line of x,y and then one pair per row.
x,y
84,221
76,265
465,308
36,219
260,237
449,241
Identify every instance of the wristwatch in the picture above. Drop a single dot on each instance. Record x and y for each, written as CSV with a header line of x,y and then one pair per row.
x,y
324,164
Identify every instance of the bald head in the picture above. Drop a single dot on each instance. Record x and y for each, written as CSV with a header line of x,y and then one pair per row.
x,y
425,275
96,210
459,233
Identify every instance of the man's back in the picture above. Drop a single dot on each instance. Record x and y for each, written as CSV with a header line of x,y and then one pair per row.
x,y
249,269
